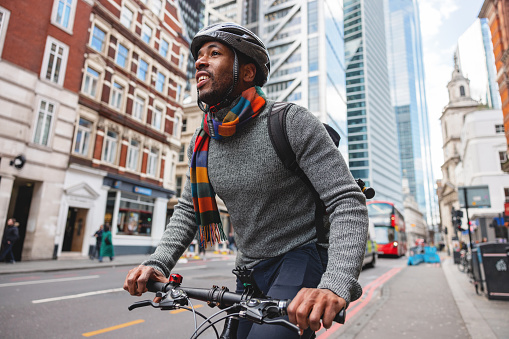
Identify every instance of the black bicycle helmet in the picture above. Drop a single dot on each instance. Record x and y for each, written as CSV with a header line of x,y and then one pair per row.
x,y
239,39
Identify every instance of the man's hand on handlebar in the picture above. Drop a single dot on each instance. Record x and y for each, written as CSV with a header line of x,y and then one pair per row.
x,y
136,281
311,305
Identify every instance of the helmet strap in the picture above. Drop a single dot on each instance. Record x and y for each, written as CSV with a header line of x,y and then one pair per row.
x,y
227,100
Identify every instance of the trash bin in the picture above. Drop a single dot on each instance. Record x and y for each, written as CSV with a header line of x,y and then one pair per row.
x,y
495,268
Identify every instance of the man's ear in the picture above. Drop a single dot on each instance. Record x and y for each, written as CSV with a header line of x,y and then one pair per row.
x,y
248,72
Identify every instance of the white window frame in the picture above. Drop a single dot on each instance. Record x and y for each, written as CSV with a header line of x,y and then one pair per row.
x,y
140,59
143,32
137,113
178,93
155,9
132,150
126,57
46,130
176,126
117,95
104,43
182,153
160,115
123,17
53,57
163,38
89,80
152,161
4,22
86,137
158,82
110,145
72,13
181,60
502,156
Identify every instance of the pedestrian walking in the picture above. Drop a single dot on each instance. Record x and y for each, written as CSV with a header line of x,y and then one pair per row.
x,y
273,211
231,242
106,245
11,235
98,241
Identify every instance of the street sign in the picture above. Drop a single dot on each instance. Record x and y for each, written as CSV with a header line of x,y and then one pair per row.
x,y
477,196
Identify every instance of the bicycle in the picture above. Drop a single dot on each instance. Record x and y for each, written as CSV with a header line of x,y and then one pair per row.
x,y
465,259
251,304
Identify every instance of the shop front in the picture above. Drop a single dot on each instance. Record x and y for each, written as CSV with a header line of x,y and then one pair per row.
x,y
136,212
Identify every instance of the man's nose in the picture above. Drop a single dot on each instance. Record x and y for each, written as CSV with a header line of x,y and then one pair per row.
x,y
202,61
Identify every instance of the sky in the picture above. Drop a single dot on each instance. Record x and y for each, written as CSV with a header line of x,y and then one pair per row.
x,y
442,23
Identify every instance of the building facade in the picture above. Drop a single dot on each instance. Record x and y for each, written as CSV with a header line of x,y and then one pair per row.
x,y
483,151
408,96
497,13
373,147
92,105
452,120
41,56
127,129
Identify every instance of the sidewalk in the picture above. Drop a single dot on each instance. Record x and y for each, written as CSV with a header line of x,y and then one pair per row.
x,y
73,263
429,301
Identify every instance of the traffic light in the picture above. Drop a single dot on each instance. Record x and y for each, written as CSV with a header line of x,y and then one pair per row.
x,y
456,218
459,215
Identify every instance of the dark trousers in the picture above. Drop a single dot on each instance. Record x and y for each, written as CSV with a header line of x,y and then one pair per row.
x,y
7,251
96,251
281,278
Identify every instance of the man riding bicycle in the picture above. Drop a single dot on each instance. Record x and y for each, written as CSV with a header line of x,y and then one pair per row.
x,y
273,211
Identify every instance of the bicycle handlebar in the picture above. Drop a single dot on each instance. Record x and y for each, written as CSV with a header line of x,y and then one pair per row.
x,y
222,298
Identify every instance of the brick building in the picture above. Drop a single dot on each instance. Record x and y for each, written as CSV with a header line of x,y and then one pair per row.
x,y
122,72
41,57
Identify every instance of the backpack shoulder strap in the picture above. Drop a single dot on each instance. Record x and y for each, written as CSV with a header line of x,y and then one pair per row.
x,y
278,136
279,139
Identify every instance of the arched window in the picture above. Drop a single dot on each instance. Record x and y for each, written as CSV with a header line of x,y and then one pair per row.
x,y
462,91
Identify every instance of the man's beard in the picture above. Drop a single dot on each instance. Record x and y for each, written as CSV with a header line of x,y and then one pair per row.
x,y
218,93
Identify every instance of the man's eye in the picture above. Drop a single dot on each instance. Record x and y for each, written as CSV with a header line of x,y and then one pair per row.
x,y
214,53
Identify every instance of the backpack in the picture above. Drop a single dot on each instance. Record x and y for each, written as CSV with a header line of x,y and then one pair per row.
x,y
279,139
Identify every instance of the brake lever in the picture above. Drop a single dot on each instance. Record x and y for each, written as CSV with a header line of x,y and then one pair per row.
x,y
282,322
142,303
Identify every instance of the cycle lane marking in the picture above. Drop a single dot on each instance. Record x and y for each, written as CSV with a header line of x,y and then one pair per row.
x,y
36,282
113,328
360,303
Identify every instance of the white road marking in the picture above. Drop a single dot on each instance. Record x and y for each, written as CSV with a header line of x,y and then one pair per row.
x,y
87,294
36,282
74,296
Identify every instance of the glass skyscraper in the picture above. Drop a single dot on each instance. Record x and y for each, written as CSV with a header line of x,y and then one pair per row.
x,y
373,147
192,12
408,96
305,43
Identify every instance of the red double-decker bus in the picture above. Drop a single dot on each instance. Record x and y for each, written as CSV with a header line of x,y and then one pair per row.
x,y
389,225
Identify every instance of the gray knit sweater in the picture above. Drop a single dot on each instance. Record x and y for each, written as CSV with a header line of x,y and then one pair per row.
x,y
271,209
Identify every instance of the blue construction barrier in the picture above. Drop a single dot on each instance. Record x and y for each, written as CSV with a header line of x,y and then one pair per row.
x,y
416,255
419,254
430,255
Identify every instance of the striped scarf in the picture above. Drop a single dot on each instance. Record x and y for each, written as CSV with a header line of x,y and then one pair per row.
x,y
205,208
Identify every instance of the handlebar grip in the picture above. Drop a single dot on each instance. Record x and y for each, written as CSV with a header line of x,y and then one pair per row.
x,y
156,286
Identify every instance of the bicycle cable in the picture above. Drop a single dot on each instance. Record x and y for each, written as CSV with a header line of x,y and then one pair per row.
x,y
209,319
212,324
